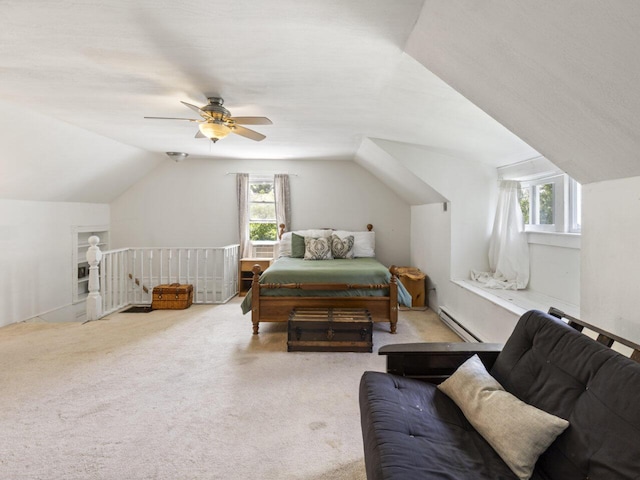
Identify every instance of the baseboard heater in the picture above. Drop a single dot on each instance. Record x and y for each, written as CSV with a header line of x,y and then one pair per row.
x,y
449,320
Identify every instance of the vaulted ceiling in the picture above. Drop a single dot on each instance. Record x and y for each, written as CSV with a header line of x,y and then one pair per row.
x,y
77,78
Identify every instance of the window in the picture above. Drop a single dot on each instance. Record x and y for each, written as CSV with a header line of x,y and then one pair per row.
x,y
551,204
262,209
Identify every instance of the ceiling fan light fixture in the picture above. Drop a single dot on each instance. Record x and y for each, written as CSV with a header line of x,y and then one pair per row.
x,y
214,131
177,156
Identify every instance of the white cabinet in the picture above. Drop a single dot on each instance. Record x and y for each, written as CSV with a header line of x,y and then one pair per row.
x,y
80,267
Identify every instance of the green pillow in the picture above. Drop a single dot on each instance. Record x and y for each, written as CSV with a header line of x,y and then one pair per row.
x,y
297,246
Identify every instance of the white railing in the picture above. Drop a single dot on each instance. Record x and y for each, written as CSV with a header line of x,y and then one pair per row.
x,y
128,275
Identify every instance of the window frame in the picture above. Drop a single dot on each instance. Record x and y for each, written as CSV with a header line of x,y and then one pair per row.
x,y
567,194
558,183
575,206
260,179
566,207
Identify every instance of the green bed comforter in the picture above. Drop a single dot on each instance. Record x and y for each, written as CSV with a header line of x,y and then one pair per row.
x,y
351,271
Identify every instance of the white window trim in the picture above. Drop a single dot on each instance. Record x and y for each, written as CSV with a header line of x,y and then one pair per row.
x,y
559,204
555,239
539,170
574,206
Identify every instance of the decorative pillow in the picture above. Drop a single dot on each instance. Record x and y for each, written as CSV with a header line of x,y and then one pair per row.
x,y
284,245
364,243
297,246
342,248
317,248
518,432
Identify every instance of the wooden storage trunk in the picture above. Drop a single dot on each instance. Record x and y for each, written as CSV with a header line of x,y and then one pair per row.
x,y
172,297
330,330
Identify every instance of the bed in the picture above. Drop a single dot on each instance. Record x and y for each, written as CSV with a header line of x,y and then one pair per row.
x,y
360,282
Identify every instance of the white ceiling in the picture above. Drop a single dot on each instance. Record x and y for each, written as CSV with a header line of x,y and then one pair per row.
x,y
562,75
327,73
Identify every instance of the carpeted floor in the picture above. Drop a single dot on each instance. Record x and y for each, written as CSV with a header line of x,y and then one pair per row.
x,y
183,395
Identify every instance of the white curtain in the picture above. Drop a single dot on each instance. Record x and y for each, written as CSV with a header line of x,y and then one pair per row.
x,y
282,198
242,188
508,247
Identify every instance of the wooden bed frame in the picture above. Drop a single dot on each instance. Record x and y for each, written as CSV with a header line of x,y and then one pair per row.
x,y
277,309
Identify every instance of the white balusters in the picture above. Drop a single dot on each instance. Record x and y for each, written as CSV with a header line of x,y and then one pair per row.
x,y
94,300
127,276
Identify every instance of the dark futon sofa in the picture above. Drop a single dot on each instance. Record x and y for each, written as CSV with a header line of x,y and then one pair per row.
x,y
412,430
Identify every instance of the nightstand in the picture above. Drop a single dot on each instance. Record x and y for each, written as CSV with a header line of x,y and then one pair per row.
x,y
245,276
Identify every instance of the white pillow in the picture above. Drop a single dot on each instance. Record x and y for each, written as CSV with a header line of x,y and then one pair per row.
x,y
364,243
518,432
284,245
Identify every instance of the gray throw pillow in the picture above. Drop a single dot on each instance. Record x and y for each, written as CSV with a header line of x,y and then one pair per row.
x,y
518,432
317,248
297,246
342,247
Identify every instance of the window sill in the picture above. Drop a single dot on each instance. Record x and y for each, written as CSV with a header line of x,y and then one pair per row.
x,y
555,239
518,301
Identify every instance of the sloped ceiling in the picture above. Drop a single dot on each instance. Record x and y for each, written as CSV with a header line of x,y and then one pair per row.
x,y
390,171
563,75
44,159
77,78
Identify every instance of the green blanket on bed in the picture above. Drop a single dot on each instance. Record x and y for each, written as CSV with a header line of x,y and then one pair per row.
x,y
350,271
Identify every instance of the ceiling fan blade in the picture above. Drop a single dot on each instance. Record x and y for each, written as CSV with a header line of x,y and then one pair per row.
x,y
200,135
245,132
193,107
173,118
252,120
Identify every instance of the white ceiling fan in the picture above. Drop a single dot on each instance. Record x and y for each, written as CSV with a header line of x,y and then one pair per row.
x,y
217,122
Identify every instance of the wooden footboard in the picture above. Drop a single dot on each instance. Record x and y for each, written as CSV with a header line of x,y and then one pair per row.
x,y
277,309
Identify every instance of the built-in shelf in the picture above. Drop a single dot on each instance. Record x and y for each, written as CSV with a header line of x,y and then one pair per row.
x,y
80,266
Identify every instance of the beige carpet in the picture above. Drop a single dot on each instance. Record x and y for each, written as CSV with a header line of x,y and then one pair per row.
x,y
183,395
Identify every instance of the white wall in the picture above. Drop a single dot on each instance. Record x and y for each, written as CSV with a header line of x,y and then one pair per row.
x,y
447,244
36,255
555,271
431,247
611,256
431,252
469,186
193,203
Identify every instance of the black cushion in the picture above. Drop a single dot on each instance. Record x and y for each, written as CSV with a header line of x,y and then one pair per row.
x,y
411,430
550,365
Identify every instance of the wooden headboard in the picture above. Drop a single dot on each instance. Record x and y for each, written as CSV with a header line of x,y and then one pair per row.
x,y
282,228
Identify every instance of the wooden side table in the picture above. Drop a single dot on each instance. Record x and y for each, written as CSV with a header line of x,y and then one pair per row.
x,y
245,274
413,280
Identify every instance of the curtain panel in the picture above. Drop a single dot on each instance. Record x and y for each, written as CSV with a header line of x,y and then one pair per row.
x,y
508,247
242,189
282,199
